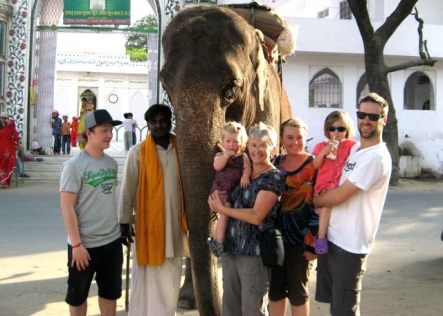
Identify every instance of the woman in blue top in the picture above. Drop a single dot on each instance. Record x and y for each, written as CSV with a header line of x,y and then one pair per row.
x,y
254,209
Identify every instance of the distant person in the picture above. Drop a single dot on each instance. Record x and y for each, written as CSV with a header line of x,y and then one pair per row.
x,y
357,205
88,192
74,128
85,108
20,158
127,127
56,132
8,141
134,126
232,166
330,157
66,135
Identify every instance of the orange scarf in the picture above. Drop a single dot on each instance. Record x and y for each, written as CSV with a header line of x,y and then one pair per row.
x,y
150,218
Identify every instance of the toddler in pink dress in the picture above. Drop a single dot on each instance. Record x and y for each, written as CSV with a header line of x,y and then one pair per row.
x,y
330,158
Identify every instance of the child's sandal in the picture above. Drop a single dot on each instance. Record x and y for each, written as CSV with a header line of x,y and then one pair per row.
x,y
321,246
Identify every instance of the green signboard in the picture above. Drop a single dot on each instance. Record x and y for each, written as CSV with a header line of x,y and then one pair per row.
x,y
97,12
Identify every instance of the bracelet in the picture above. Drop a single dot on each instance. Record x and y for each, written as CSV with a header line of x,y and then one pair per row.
x,y
76,246
226,156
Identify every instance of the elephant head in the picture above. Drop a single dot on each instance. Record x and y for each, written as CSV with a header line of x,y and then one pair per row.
x,y
215,70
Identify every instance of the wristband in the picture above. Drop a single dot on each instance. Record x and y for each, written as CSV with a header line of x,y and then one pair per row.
x,y
76,246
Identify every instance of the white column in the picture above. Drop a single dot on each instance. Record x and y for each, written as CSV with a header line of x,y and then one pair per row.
x,y
46,51
45,87
153,67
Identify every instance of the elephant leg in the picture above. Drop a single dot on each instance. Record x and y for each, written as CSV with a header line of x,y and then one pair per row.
x,y
186,299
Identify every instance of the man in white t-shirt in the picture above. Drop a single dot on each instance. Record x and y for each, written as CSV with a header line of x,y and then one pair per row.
x,y
357,206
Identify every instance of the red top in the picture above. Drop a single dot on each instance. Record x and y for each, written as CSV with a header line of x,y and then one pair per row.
x,y
8,141
330,171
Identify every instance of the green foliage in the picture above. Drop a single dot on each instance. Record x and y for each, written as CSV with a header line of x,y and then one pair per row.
x,y
137,54
138,40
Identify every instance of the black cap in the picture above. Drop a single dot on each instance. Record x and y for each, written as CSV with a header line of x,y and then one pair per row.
x,y
99,117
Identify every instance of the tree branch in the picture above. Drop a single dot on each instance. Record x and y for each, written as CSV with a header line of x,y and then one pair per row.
x,y
422,44
404,8
420,34
360,11
409,64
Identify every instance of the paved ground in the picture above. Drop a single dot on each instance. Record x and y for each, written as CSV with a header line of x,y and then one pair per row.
x,y
405,275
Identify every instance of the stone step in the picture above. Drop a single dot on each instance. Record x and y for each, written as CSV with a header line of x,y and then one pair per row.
x,y
49,169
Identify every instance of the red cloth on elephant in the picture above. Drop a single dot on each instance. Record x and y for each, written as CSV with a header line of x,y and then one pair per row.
x,y
8,141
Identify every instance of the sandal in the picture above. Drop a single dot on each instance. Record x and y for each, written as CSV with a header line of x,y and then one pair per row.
x,y
321,246
215,246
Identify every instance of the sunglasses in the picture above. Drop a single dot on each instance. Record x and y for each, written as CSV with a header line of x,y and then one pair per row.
x,y
340,129
373,117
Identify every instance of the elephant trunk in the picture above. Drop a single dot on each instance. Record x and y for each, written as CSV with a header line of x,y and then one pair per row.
x,y
196,148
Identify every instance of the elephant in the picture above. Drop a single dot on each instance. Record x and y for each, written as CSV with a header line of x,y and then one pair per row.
x,y
216,69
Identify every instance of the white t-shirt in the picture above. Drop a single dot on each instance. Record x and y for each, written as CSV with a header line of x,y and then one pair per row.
x,y
354,223
95,182
127,125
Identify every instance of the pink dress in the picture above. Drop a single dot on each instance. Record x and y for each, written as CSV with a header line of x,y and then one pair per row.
x,y
330,172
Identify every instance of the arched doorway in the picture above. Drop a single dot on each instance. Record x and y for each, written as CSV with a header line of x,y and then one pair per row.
x,y
47,24
90,97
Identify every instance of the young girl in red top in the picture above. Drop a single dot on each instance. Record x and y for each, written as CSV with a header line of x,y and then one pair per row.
x,y
330,158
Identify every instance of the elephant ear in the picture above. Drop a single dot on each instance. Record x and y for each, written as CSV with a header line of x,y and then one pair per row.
x,y
261,68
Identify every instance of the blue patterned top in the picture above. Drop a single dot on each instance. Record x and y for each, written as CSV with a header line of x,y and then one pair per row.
x,y
243,238
57,126
297,216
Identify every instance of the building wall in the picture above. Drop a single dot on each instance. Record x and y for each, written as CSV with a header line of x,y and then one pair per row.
x,y
131,90
337,44
424,128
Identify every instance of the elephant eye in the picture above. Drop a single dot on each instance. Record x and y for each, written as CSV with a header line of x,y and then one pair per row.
x,y
231,90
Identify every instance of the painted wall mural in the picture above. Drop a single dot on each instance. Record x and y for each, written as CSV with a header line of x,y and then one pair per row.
x,y
16,78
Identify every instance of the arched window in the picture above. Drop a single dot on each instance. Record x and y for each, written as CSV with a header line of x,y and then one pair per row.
x,y
325,90
138,106
362,88
419,92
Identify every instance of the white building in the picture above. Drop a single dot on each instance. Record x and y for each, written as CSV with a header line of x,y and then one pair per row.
x,y
326,70
104,74
324,74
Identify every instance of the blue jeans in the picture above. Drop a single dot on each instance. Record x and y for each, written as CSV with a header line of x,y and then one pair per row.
x,y
66,144
57,141
19,165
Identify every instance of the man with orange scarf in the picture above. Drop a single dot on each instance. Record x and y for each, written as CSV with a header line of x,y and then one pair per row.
x,y
161,239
